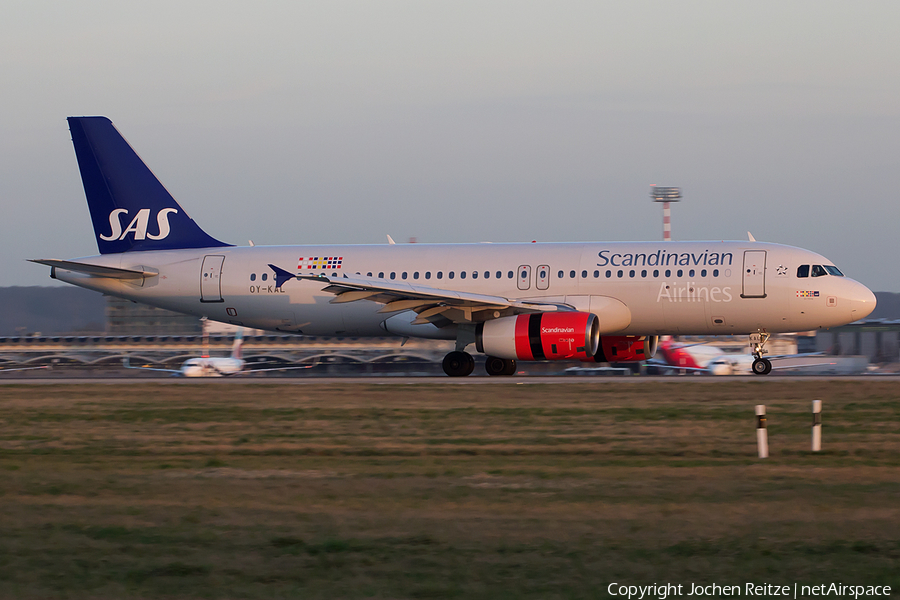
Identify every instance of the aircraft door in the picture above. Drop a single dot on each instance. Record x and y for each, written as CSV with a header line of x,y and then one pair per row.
x,y
524,277
754,274
542,277
211,279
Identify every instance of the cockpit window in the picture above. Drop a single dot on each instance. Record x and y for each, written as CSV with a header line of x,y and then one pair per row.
x,y
818,271
833,270
803,271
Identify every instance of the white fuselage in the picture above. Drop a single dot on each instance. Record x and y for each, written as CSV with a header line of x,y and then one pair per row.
x,y
668,287
211,367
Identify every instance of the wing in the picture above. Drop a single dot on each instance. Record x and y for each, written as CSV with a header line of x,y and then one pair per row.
x,y
155,369
22,369
275,369
432,305
126,362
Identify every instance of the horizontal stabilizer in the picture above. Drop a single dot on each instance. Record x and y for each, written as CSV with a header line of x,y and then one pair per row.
x,y
93,270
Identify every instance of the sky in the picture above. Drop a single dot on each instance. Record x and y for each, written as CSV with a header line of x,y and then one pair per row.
x,y
466,121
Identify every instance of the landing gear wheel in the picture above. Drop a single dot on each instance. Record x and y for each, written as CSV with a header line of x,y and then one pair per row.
x,y
762,366
499,366
510,367
458,364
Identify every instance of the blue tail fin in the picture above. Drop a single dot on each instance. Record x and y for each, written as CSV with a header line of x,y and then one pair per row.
x,y
130,208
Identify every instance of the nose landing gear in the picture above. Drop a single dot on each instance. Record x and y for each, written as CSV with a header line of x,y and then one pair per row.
x,y
761,366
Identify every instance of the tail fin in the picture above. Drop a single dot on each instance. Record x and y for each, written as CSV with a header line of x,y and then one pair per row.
x,y
124,196
238,343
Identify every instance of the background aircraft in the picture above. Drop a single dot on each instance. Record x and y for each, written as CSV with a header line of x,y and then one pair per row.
x,y
705,358
212,366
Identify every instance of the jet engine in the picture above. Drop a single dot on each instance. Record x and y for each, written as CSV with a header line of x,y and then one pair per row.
x,y
625,348
540,336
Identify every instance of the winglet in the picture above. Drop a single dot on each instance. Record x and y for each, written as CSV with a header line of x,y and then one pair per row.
x,y
750,236
391,240
281,276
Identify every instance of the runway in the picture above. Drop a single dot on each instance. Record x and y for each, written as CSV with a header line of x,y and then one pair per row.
x,y
436,381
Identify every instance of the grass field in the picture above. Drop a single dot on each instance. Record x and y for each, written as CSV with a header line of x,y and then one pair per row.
x,y
427,491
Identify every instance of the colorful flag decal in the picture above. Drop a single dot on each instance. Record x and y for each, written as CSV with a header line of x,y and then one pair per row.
x,y
321,263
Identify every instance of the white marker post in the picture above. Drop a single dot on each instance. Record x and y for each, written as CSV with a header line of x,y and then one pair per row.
x,y
762,434
817,426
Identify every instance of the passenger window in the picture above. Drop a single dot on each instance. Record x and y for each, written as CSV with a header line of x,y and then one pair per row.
x,y
691,273
608,274
596,274
440,274
381,275
803,271
572,274
252,276
403,276
656,272
560,275
620,273
643,272
450,275
462,274
703,273
631,273
265,276
474,274
393,275
668,272
427,274
416,275
715,272
584,274
499,274
509,275
369,274
680,273
818,271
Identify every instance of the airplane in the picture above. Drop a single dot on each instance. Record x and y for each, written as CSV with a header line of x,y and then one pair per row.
x,y
702,358
595,302
213,366
699,358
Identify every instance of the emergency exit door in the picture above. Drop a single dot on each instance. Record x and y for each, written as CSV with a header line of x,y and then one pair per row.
x,y
754,274
524,277
211,279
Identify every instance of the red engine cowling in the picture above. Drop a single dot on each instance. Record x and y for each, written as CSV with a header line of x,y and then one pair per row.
x,y
540,336
625,348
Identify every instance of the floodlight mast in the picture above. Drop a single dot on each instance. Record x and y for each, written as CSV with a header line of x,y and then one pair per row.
x,y
666,195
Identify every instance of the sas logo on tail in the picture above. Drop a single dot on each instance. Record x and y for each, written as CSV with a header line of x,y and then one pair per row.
x,y
138,225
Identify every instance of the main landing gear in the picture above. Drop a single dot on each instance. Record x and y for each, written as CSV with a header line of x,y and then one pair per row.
x,y
461,364
761,366
499,366
458,364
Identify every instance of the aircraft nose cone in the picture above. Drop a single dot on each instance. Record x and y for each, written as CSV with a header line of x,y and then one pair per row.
x,y
862,302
